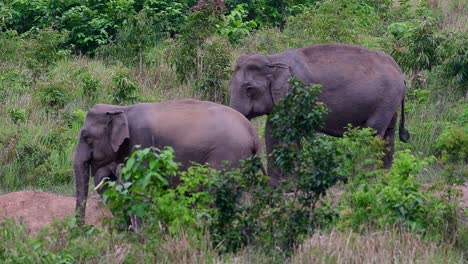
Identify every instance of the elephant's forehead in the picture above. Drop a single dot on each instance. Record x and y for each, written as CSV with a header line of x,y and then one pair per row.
x,y
93,128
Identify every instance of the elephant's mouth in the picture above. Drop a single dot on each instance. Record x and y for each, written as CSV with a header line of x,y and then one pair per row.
x,y
250,116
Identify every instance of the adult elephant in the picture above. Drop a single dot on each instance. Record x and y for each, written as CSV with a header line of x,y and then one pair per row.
x,y
360,87
199,131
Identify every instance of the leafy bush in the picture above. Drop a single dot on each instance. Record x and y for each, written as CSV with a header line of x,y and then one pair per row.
x,y
74,118
17,115
454,51
199,56
90,87
135,35
12,84
415,50
234,27
54,96
399,29
170,14
452,144
144,191
322,23
395,198
56,139
43,48
200,25
124,89
361,152
270,13
214,60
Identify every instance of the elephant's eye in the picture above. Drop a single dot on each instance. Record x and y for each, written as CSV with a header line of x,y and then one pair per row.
x,y
251,91
88,139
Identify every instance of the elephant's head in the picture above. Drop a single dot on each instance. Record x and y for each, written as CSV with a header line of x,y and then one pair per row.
x,y
258,83
103,133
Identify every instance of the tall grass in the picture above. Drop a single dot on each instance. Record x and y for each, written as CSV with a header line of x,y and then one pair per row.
x,y
97,245
387,246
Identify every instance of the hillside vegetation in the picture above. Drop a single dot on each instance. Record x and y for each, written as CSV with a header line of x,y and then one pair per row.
x,y
59,58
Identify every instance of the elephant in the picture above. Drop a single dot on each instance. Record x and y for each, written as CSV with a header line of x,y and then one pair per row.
x,y
109,172
198,131
360,87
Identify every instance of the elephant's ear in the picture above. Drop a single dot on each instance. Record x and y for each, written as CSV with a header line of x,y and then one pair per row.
x,y
119,129
280,74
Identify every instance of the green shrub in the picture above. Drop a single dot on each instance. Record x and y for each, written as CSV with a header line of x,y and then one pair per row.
x,y
342,21
170,14
214,60
124,89
144,191
74,118
70,244
243,201
200,56
270,13
90,88
56,139
30,163
54,96
234,27
415,49
199,26
12,84
395,198
452,144
361,152
138,33
399,29
454,51
17,115
42,48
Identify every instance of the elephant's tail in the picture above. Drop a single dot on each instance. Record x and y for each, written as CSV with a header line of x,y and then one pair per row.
x,y
403,132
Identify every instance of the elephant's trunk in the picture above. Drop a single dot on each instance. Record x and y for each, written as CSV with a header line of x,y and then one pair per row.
x,y
238,105
81,168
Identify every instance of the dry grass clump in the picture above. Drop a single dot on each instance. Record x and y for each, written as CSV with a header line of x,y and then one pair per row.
x,y
391,246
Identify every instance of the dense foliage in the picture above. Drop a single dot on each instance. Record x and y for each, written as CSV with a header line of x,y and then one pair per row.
x,y
61,57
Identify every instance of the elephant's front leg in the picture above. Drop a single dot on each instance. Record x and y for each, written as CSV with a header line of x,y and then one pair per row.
x,y
275,173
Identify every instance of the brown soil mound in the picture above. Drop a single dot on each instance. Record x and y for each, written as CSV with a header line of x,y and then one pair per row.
x,y
38,209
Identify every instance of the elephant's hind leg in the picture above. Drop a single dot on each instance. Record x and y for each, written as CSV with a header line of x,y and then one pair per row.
x,y
384,124
389,138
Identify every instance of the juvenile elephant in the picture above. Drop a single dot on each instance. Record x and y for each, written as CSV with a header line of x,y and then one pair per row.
x,y
199,131
360,87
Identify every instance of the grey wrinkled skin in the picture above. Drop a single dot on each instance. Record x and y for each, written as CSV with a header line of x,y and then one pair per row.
x,y
360,87
199,131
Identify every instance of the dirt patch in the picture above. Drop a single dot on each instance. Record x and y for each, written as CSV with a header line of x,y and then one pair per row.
x,y
464,199
38,209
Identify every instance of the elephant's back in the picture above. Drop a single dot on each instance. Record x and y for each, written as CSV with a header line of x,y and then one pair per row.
x,y
356,82
191,111
341,62
193,124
